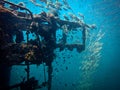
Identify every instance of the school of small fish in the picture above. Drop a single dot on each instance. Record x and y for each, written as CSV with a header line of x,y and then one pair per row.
x,y
90,60
57,6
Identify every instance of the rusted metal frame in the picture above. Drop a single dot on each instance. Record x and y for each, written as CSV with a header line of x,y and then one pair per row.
x,y
19,7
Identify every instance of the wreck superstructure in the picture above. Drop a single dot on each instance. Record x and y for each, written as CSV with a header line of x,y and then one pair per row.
x,y
37,51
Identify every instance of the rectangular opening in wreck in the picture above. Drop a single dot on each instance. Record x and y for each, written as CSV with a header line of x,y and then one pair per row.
x,y
72,36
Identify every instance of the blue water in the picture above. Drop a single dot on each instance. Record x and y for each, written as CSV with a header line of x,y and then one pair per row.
x,y
106,15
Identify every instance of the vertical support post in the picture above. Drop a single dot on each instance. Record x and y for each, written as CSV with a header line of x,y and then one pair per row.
x,y
4,76
27,36
84,37
28,70
27,63
44,72
64,38
50,69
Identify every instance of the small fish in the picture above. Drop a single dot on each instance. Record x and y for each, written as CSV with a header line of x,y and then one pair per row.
x,y
73,84
66,68
58,7
39,5
64,8
58,3
93,26
65,85
71,15
36,4
67,6
51,5
59,82
33,0
66,18
81,15
65,2
45,1
21,4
